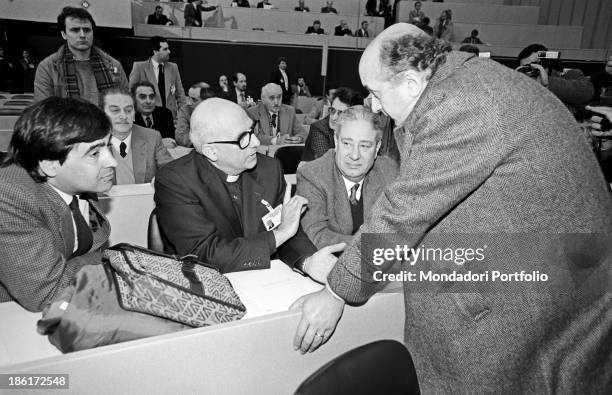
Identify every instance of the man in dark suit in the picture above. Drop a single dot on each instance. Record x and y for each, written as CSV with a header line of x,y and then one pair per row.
x,y
50,226
315,28
281,77
139,151
193,12
149,115
216,201
302,7
329,8
321,135
240,95
342,185
472,162
363,31
342,29
158,17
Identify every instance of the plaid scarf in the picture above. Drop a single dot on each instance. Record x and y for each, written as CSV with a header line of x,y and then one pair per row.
x,y
104,76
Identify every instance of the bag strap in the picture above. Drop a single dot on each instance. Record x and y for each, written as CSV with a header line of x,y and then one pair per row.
x,y
195,285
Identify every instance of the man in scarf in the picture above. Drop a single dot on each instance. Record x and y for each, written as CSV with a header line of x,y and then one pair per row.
x,y
78,68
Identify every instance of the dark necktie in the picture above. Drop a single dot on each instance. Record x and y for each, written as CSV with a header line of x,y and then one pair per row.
x,y
84,235
161,84
149,122
365,33
273,121
353,197
122,148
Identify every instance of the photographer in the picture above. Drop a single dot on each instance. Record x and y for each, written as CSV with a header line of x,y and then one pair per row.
x,y
601,128
570,86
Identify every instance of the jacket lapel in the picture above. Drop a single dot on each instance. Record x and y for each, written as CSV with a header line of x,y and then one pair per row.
x,y
253,209
59,206
150,74
139,149
341,204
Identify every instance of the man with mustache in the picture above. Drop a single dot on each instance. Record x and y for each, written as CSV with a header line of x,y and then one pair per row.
x,y
50,223
214,202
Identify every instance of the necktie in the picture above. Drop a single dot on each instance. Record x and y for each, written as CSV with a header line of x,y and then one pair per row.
x,y
161,84
122,148
84,235
273,121
353,197
149,122
242,98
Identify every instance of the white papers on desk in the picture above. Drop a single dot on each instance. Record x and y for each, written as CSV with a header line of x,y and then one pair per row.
x,y
270,290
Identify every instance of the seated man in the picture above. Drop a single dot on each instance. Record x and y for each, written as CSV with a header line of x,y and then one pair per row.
x,y
203,91
321,136
50,225
302,7
300,88
342,29
148,114
363,31
139,151
158,17
315,28
277,122
329,8
214,201
342,185
321,107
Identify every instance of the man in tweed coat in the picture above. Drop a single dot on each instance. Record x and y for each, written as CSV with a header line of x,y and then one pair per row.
x,y
49,226
484,150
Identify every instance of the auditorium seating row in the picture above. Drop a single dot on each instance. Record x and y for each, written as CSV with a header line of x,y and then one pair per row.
x,y
486,13
253,18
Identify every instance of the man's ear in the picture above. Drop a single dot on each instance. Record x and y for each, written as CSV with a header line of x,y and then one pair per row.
x,y
49,167
64,35
210,152
415,81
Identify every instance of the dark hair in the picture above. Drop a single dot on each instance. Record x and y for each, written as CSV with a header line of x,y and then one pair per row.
x,y
207,93
426,20
417,52
474,33
330,85
281,59
316,21
158,7
362,22
348,96
139,84
155,43
113,91
76,13
531,49
235,76
48,130
470,48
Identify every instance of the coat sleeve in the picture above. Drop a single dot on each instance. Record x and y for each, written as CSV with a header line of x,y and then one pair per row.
x,y
134,75
162,156
181,134
315,221
43,81
33,267
319,143
180,91
297,129
457,152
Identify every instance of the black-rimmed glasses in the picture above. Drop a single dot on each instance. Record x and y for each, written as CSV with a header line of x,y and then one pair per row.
x,y
334,111
244,139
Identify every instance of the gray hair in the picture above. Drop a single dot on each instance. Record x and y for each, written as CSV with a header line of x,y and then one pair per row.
x,y
361,113
269,88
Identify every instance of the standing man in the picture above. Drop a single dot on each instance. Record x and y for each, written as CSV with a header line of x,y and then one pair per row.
x,y
164,75
193,12
472,162
50,223
148,114
139,151
321,135
280,77
277,122
78,68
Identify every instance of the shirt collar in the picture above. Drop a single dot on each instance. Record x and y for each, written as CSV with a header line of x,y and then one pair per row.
x,y
348,184
155,64
65,197
116,142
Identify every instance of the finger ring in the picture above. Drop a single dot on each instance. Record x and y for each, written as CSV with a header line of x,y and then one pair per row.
x,y
319,335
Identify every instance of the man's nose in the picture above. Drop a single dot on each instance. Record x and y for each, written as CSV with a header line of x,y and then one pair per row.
x,y
355,154
108,158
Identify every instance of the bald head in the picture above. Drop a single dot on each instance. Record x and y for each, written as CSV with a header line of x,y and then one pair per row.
x,y
217,119
370,63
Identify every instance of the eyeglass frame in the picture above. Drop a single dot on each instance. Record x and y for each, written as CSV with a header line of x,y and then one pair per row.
x,y
249,132
334,111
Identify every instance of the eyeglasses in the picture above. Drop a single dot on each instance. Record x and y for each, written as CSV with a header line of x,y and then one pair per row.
x,y
244,139
334,111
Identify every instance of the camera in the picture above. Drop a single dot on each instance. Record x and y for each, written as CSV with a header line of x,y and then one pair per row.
x,y
529,71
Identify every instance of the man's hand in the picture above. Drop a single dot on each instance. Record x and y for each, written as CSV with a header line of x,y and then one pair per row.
x,y
596,122
169,142
290,216
318,265
287,139
320,314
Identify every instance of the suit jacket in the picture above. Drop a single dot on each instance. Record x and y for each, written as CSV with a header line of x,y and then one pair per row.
x,y
320,140
175,94
339,31
312,30
193,15
233,96
162,121
181,135
326,10
328,219
196,215
37,240
473,162
148,153
306,90
277,78
363,33
287,122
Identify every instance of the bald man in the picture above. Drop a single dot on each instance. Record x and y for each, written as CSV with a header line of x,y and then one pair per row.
x,y
277,121
214,201
472,162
